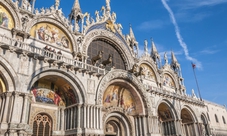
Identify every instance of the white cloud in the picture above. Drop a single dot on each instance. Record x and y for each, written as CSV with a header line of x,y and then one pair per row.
x,y
191,4
150,25
179,37
209,51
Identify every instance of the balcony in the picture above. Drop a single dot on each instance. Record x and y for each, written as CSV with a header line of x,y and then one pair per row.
x,y
30,50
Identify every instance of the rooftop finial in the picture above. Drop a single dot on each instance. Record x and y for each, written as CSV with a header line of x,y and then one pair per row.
x,y
57,3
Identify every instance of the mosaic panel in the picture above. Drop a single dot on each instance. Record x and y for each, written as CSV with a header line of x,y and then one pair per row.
x,y
6,20
118,96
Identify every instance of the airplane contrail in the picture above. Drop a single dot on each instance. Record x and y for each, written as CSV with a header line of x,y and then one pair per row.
x,y
179,37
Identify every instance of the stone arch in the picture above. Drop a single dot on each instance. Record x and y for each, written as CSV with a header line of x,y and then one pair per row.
x,y
55,23
191,110
11,9
100,33
172,108
9,75
128,78
167,118
189,121
77,85
122,119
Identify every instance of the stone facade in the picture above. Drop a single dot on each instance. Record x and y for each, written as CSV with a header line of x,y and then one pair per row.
x,y
83,77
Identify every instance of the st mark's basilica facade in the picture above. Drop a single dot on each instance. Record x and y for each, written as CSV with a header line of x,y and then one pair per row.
x,y
82,76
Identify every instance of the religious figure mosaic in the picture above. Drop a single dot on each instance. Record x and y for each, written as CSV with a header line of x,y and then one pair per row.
x,y
47,92
168,81
6,19
119,96
51,34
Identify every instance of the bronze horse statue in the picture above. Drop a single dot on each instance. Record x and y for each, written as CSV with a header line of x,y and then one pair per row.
x,y
108,61
96,58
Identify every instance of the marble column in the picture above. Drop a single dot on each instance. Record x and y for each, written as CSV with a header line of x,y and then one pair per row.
x,y
78,116
145,125
91,117
88,116
97,118
75,117
6,110
62,119
85,115
3,99
71,117
100,118
195,127
25,108
136,126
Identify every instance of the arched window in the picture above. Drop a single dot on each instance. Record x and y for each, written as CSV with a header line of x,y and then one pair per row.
x,y
216,118
42,125
223,120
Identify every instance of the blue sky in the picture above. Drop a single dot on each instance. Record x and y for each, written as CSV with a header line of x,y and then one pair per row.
x,y
201,26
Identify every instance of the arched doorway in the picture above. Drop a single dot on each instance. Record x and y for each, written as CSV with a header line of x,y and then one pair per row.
x,y
166,120
188,127
117,124
42,125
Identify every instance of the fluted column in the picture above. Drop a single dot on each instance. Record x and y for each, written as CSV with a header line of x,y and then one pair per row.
x,y
78,116
94,117
2,107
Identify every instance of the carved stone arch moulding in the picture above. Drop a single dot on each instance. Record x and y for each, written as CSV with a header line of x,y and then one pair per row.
x,y
172,76
118,112
168,103
77,85
192,112
55,23
100,33
121,74
152,66
13,13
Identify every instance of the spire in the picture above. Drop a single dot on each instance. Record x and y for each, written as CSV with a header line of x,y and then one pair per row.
x,y
153,48
76,15
76,6
174,59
